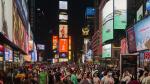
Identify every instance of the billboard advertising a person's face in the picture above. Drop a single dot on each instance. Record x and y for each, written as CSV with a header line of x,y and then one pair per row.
x,y
120,14
106,51
55,42
63,45
63,31
131,40
142,34
63,5
124,47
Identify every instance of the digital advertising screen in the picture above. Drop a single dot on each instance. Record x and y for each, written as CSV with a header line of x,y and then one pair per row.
x,y
120,14
63,31
90,11
142,34
107,12
40,46
55,42
131,40
63,17
63,59
63,45
148,5
107,31
63,55
63,5
8,54
70,42
139,13
124,46
106,51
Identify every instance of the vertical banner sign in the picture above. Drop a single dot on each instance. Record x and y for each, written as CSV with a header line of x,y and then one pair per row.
x,y
63,31
55,42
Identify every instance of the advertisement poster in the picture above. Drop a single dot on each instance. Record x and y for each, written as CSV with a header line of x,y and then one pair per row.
x,y
107,12
131,40
63,5
107,31
120,14
139,14
124,46
55,42
106,51
63,17
63,31
6,18
63,45
8,54
142,34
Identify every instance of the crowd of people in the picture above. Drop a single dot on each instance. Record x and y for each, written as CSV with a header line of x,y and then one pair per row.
x,y
69,74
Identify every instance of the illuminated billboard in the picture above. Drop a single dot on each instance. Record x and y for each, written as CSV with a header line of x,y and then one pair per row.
x,y
90,11
139,13
6,19
63,31
40,47
63,17
124,46
69,42
142,34
106,52
63,45
63,55
131,40
107,15
120,14
107,31
55,42
8,54
63,5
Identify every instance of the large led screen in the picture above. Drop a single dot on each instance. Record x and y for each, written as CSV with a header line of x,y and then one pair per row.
x,y
106,51
90,11
139,13
63,31
107,31
8,54
63,5
107,12
6,21
63,17
69,42
124,47
131,40
55,42
148,5
142,34
63,45
120,14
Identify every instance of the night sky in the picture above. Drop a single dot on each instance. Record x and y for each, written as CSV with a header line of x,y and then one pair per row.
x,y
47,22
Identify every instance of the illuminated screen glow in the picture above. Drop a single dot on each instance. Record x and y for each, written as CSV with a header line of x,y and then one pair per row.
x,y
107,28
120,14
63,5
55,42
63,45
106,51
142,34
63,31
